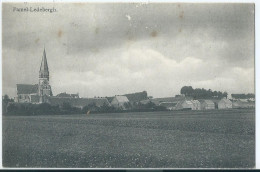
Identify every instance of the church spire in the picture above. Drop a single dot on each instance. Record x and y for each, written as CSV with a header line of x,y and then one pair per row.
x,y
44,70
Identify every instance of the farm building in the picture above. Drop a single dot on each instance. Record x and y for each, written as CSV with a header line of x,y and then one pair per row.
x,y
68,95
168,105
147,101
120,102
158,101
136,97
224,104
196,105
184,104
133,97
207,104
77,102
171,103
242,104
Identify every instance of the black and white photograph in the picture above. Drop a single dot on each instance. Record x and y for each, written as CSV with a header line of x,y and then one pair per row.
x,y
130,85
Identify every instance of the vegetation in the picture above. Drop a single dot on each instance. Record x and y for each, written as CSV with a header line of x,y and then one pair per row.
x,y
32,109
148,107
243,96
201,93
28,109
5,102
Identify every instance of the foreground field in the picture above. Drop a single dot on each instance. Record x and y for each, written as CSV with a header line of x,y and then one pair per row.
x,y
208,139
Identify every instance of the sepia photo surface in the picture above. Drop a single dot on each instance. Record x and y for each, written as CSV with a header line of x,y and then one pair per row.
x,y
128,85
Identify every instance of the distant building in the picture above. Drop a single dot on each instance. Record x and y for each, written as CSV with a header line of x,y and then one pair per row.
x,y
133,97
242,104
224,103
120,102
27,93
207,104
169,105
158,101
136,97
185,104
66,95
196,105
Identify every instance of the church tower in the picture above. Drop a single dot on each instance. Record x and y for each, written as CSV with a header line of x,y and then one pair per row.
x,y
44,87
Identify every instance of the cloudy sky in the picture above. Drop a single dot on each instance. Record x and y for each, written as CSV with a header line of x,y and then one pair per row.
x,y
111,49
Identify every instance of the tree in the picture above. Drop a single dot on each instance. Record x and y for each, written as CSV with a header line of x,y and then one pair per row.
x,y
187,90
5,102
66,106
91,107
127,105
150,105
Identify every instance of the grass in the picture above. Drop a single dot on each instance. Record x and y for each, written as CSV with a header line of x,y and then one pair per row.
x,y
191,139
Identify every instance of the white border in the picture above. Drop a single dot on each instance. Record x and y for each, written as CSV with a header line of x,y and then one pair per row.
x,y
257,61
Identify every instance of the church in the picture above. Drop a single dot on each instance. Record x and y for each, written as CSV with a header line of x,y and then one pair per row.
x,y
42,93
37,93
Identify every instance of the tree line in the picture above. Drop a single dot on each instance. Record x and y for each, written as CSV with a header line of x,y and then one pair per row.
x,y
201,93
29,109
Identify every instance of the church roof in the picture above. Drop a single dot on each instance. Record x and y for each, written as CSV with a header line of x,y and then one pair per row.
x,y
44,64
27,89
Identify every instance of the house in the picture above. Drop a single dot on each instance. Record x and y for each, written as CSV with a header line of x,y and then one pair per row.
x,y
120,102
224,104
196,105
207,104
77,102
184,104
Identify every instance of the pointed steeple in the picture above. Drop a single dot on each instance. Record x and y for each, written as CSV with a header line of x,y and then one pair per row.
x,y
44,70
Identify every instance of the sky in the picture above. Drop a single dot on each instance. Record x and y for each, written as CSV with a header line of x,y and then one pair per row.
x,y
107,49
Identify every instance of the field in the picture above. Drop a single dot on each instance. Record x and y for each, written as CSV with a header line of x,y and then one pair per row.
x,y
190,139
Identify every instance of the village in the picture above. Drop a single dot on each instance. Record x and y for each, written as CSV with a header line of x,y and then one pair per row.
x,y
189,99
135,85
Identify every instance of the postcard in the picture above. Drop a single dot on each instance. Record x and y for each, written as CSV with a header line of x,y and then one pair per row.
x,y
128,85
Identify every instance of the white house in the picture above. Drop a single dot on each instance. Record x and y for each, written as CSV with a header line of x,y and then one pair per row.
x,y
224,104
196,105
185,104
207,104
120,102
